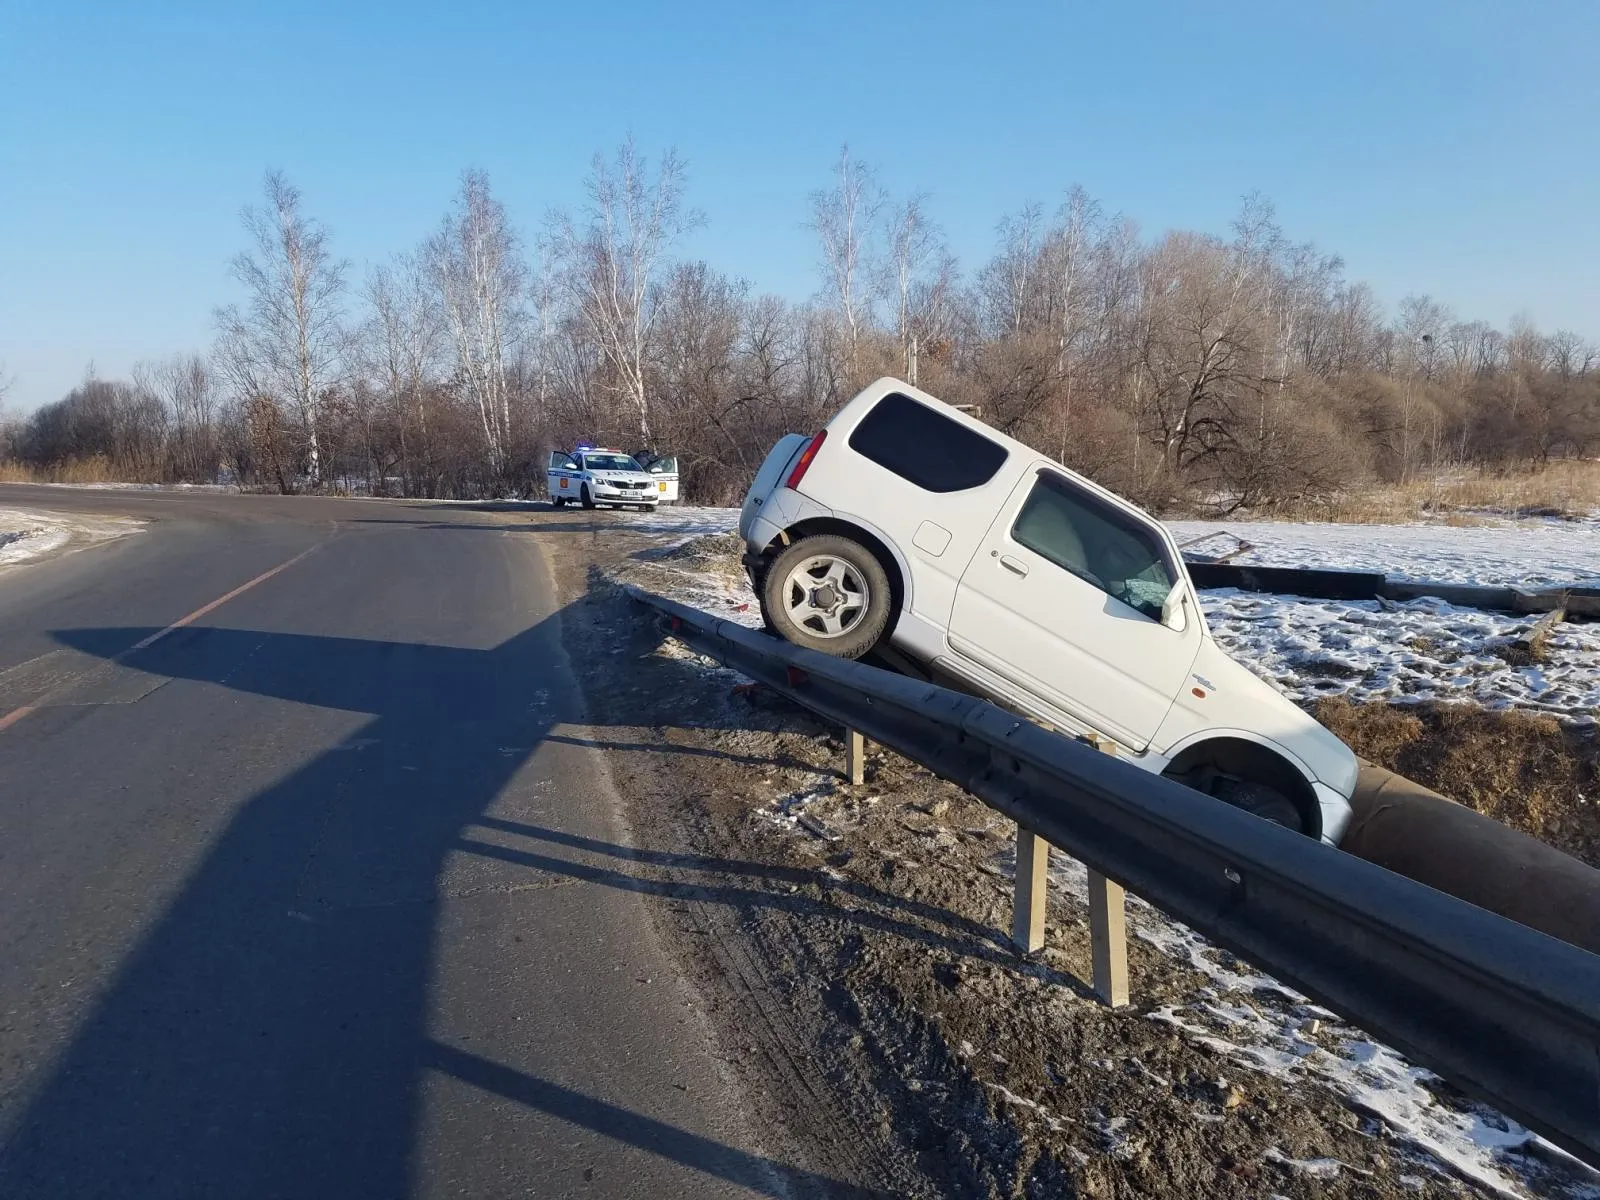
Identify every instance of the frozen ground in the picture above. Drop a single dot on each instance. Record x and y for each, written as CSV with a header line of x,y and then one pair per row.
x,y
682,521
30,534
1253,1023
1529,553
1423,650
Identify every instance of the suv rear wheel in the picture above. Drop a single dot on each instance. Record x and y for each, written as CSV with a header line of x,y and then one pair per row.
x,y
827,593
1262,801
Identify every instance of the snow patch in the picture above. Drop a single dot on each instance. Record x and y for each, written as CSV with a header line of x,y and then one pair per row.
x,y
29,534
1506,553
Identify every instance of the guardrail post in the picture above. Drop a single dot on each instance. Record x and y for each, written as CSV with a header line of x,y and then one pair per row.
x,y
855,756
1108,926
1027,906
1108,935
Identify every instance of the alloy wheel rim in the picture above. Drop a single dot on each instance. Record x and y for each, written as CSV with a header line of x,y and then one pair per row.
x,y
826,595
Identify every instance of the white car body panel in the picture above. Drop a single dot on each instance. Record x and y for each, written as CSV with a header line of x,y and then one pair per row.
x,y
664,471
1016,625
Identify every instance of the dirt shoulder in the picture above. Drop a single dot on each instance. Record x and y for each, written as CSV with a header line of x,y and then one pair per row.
x,y
851,943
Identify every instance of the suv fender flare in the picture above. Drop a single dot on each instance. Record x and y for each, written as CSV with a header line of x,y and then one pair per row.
x,y
1251,756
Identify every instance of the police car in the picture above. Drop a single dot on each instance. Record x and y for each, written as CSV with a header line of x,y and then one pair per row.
x,y
592,475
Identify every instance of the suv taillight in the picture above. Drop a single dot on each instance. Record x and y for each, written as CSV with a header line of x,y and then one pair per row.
x,y
804,465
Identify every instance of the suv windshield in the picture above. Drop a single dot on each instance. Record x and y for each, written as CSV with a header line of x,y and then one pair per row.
x,y
609,462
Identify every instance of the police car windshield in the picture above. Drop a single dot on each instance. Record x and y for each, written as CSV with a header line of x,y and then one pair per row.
x,y
609,462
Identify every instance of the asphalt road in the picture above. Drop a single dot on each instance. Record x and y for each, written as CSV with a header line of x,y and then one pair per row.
x,y
306,894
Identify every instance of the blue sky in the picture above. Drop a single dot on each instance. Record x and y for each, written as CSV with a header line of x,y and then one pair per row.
x,y
1443,147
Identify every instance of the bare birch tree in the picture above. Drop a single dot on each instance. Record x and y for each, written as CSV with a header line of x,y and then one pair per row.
x,y
286,342
844,218
403,343
913,245
476,263
612,258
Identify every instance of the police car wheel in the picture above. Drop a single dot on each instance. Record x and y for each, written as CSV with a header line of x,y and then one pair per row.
x,y
828,593
586,499
558,501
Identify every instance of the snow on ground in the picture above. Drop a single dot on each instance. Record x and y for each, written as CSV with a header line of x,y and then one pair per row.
x,y
1423,650
1507,553
29,534
683,522
1260,1024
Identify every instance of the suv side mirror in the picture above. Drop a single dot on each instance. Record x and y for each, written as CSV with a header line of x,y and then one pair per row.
x,y
1172,614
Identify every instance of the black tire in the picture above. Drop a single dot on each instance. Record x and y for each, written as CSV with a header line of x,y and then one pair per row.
x,y
584,498
558,501
1262,801
790,610
767,622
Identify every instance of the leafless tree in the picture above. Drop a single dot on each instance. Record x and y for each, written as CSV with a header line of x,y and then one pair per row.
x,y
185,386
914,244
611,258
476,264
286,340
844,219
403,345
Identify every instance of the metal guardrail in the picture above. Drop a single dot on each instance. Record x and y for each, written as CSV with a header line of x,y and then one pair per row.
x,y
1502,1011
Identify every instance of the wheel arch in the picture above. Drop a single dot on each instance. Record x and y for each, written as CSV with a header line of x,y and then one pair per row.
x,y
893,566
1257,762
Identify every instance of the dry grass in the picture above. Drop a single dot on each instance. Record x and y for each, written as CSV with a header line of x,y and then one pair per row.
x,y
80,470
1569,488
1526,770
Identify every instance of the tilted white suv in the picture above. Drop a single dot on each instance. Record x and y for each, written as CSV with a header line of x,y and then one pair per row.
x,y
909,528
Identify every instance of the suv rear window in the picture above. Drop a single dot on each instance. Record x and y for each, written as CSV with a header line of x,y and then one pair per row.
x,y
1098,543
925,447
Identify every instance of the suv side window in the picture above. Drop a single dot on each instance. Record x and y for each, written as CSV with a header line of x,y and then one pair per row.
x,y
1097,542
925,447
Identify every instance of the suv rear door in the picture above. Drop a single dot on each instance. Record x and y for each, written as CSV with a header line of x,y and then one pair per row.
x,y
1063,599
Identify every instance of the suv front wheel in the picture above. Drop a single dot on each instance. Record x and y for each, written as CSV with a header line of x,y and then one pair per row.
x,y
827,593
1260,800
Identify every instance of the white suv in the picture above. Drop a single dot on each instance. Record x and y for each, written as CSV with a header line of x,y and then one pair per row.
x,y
908,528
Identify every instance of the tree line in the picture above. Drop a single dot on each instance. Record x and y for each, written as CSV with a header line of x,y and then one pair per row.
x,y
1235,371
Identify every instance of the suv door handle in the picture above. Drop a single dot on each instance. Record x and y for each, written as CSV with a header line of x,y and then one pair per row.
x,y
1015,565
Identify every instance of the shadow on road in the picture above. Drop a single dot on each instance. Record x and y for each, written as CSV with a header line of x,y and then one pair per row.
x,y
269,1035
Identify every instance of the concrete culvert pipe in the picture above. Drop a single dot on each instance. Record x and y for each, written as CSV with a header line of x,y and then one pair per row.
x,y
1405,828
